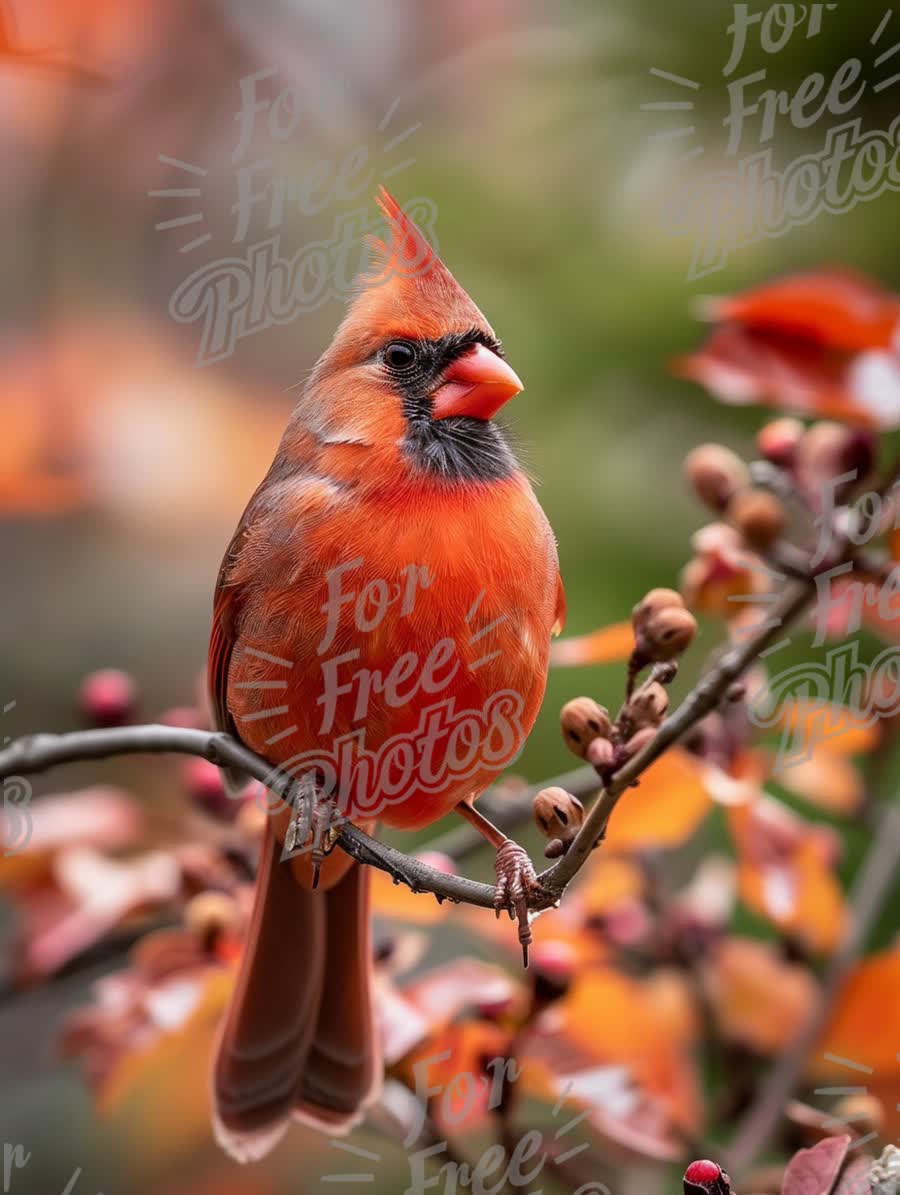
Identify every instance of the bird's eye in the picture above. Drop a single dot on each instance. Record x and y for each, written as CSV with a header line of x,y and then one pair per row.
x,y
399,356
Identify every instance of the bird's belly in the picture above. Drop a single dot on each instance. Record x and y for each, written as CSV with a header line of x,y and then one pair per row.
x,y
402,719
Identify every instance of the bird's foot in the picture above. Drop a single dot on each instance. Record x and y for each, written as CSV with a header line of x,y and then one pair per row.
x,y
314,827
516,882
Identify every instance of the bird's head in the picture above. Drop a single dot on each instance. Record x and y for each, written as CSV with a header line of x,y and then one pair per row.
x,y
415,371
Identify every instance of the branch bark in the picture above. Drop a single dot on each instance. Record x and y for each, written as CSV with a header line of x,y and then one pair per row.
x,y
40,752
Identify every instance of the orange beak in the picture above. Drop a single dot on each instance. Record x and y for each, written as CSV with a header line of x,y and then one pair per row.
x,y
476,384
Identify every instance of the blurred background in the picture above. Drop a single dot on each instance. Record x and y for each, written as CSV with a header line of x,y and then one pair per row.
x,y
141,401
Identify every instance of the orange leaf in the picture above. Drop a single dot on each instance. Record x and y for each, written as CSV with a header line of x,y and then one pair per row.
x,y
101,816
836,728
827,780
799,894
865,1027
742,365
160,1094
665,809
609,882
759,1000
647,1027
396,902
609,645
463,1066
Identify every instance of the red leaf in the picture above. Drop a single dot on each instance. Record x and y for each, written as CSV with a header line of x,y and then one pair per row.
x,y
836,308
815,1171
741,365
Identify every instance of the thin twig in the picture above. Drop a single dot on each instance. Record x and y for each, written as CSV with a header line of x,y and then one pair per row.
x,y
508,812
709,692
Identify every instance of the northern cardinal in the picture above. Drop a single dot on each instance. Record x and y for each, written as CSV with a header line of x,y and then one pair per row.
x,y
381,632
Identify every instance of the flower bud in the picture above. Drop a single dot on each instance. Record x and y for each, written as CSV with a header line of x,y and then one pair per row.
x,y
648,706
189,717
706,1176
667,635
638,741
778,441
601,754
206,789
719,571
864,1111
211,914
558,814
715,474
108,697
829,450
652,603
583,720
553,967
759,516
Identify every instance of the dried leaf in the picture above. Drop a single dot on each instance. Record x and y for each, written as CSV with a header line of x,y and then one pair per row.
x,y
785,872
741,366
815,1171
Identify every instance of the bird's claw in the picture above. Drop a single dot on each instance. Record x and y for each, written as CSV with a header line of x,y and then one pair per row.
x,y
315,826
516,882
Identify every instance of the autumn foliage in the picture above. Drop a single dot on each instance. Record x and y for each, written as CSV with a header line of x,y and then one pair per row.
x,y
696,943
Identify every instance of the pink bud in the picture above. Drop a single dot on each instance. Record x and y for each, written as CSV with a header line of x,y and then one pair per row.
x,y
555,960
108,697
189,717
438,860
703,1171
778,441
206,789
601,754
707,1176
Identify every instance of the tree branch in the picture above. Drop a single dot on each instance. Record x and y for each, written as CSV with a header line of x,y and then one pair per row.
x,y
40,752
709,692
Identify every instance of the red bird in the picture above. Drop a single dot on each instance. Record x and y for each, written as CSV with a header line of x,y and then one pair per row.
x,y
381,631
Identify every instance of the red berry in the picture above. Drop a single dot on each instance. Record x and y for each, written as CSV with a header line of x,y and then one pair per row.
x,y
205,787
108,697
703,1171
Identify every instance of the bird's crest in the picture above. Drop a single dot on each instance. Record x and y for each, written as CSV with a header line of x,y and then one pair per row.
x,y
406,253
409,290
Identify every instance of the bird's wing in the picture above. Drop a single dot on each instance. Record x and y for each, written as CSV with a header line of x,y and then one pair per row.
x,y
226,608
